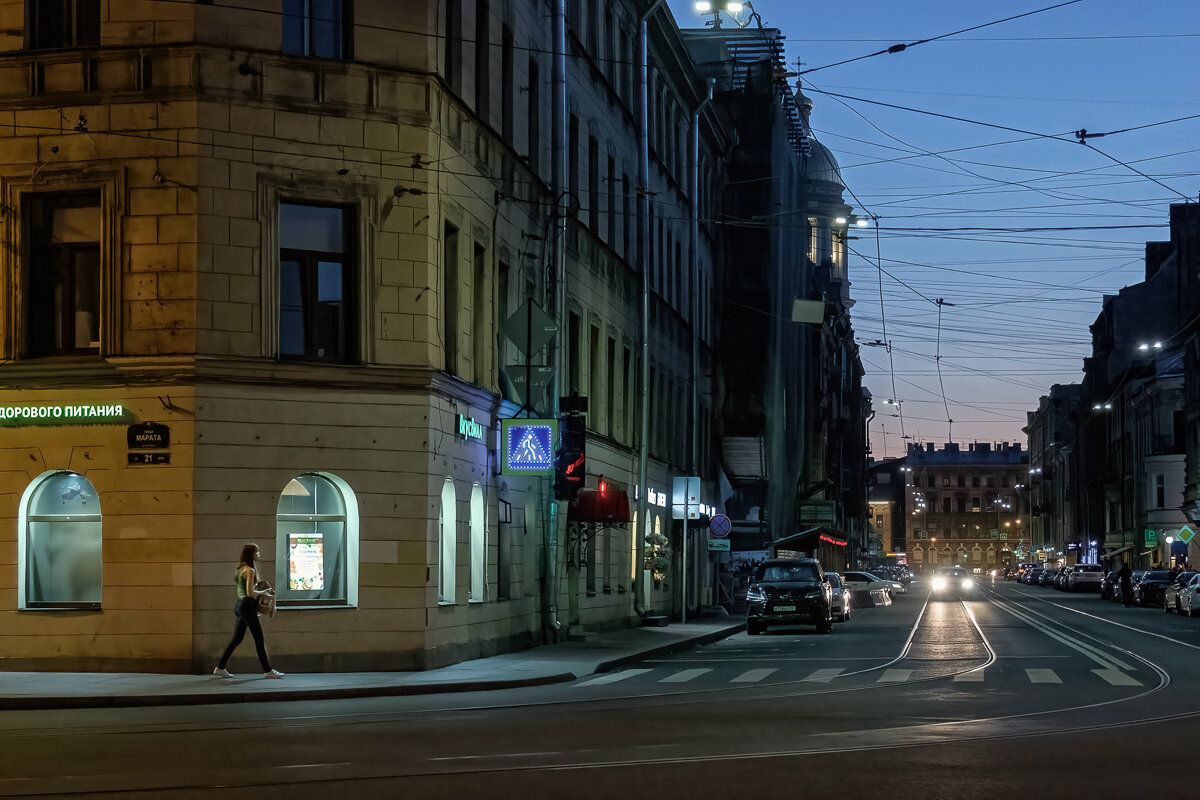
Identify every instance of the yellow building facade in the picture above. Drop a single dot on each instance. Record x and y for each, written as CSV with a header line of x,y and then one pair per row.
x,y
279,247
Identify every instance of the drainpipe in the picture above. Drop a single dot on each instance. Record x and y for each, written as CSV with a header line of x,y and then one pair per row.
x,y
643,237
694,235
558,183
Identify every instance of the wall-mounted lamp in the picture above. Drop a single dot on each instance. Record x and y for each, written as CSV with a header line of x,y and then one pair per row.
x,y
400,191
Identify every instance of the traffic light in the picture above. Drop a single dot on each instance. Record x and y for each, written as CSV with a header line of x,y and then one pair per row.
x,y
570,462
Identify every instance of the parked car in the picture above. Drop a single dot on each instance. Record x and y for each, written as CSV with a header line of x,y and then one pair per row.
x,y
952,582
1047,577
1108,584
859,581
1189,597
789,592
1171,595
1033,575
840,599
1150,589
1085,577
1011,574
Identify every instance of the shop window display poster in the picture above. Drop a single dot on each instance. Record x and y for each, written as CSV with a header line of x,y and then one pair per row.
x,y
306,562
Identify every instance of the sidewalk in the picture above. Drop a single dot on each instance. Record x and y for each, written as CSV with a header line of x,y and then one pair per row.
x,y
535,667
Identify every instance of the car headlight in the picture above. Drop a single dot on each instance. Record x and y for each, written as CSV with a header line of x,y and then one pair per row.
x,y
813,594
968,583
897,585
755,594
939,584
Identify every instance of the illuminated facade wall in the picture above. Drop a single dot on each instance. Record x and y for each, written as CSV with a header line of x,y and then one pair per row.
x,y
295,252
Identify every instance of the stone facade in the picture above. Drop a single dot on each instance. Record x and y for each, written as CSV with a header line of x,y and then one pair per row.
x,y
190,153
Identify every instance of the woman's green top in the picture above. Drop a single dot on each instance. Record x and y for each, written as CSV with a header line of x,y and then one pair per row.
x,y
240,579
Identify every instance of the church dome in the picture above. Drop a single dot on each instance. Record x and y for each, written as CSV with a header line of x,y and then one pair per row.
x,y
822,166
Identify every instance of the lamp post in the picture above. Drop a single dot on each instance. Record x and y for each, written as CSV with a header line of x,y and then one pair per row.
x,y
715,7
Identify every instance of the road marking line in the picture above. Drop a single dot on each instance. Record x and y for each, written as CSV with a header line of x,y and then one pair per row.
x,y
754,675
614,677
824,675
686,675
975,676
1117,678
895,675
1042,676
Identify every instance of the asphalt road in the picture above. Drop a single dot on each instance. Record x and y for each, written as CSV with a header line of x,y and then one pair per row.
x,y
1019,690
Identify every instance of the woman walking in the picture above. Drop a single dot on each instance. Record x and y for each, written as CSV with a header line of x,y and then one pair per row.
x,y
246,612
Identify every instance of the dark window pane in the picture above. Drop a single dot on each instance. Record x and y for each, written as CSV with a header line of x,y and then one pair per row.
x,y
291,310
327,28
87,23
316,228
86,280
295,36
331,343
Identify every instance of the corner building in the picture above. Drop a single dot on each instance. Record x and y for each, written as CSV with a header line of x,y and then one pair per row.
x,y
269,249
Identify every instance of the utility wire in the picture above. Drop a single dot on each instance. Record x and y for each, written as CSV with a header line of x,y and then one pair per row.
x,y
900,48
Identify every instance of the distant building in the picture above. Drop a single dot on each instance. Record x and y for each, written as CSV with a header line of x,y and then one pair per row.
x,y
967,507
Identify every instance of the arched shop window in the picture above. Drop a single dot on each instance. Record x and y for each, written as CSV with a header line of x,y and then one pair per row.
x,y
478,544
59,553
447,544
316,542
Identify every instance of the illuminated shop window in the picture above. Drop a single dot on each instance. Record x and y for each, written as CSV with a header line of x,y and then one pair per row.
x,y
59,553
316,543
478,545
447,544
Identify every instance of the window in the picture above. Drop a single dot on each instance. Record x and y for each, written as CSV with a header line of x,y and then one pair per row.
x,y
594,185
932,483
574,354
481,308
975,504
452,67
534,122
447,544
962,505
991,481
962,481
63,311
975,481
594,374
316,28
573,157
450,300
610,388
483,67
316,542
478,545
59,552
62,23
1160,491
506,83
316,274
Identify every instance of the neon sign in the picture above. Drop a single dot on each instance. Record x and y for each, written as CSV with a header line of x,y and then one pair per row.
x,y
12,416
527,446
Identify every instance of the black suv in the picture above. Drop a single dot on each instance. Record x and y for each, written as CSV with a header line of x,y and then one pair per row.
x,y
788,592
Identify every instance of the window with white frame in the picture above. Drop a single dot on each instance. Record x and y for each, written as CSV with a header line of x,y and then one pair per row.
x,y
317,278
316,542
59,551
447,544
478,545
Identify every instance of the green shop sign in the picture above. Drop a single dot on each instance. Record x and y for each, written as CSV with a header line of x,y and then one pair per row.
x,y
19,416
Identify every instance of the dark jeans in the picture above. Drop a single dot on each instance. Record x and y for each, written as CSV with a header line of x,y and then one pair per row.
x,y
246,612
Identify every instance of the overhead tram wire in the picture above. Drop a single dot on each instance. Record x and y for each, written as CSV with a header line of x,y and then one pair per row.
x,y
899,48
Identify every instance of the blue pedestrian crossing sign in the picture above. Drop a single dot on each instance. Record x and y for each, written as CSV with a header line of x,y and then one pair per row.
x,y
527,446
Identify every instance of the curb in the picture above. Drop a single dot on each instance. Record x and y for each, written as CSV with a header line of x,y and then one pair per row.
x,y
667,649
344,693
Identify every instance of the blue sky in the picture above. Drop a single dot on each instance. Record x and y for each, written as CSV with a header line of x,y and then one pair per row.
x,y
969,227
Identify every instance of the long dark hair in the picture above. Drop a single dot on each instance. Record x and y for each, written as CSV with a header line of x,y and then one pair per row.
x,y
247,559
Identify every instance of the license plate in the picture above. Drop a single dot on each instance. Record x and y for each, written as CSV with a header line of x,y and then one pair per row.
x,y
784,608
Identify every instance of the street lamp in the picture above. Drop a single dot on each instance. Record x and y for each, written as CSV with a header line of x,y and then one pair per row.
x,y
715,7
1145,346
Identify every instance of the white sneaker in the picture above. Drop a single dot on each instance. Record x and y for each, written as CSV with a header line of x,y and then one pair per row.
x,y
273,674
222,672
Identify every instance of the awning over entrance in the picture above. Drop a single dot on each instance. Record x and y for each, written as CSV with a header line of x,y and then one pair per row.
x,y
1116,552
609,506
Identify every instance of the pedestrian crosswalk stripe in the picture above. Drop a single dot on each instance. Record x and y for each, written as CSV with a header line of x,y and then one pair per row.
x,y
683,676
975,676
1117,678
824,675
1043,676
613,677
754,675
895,675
